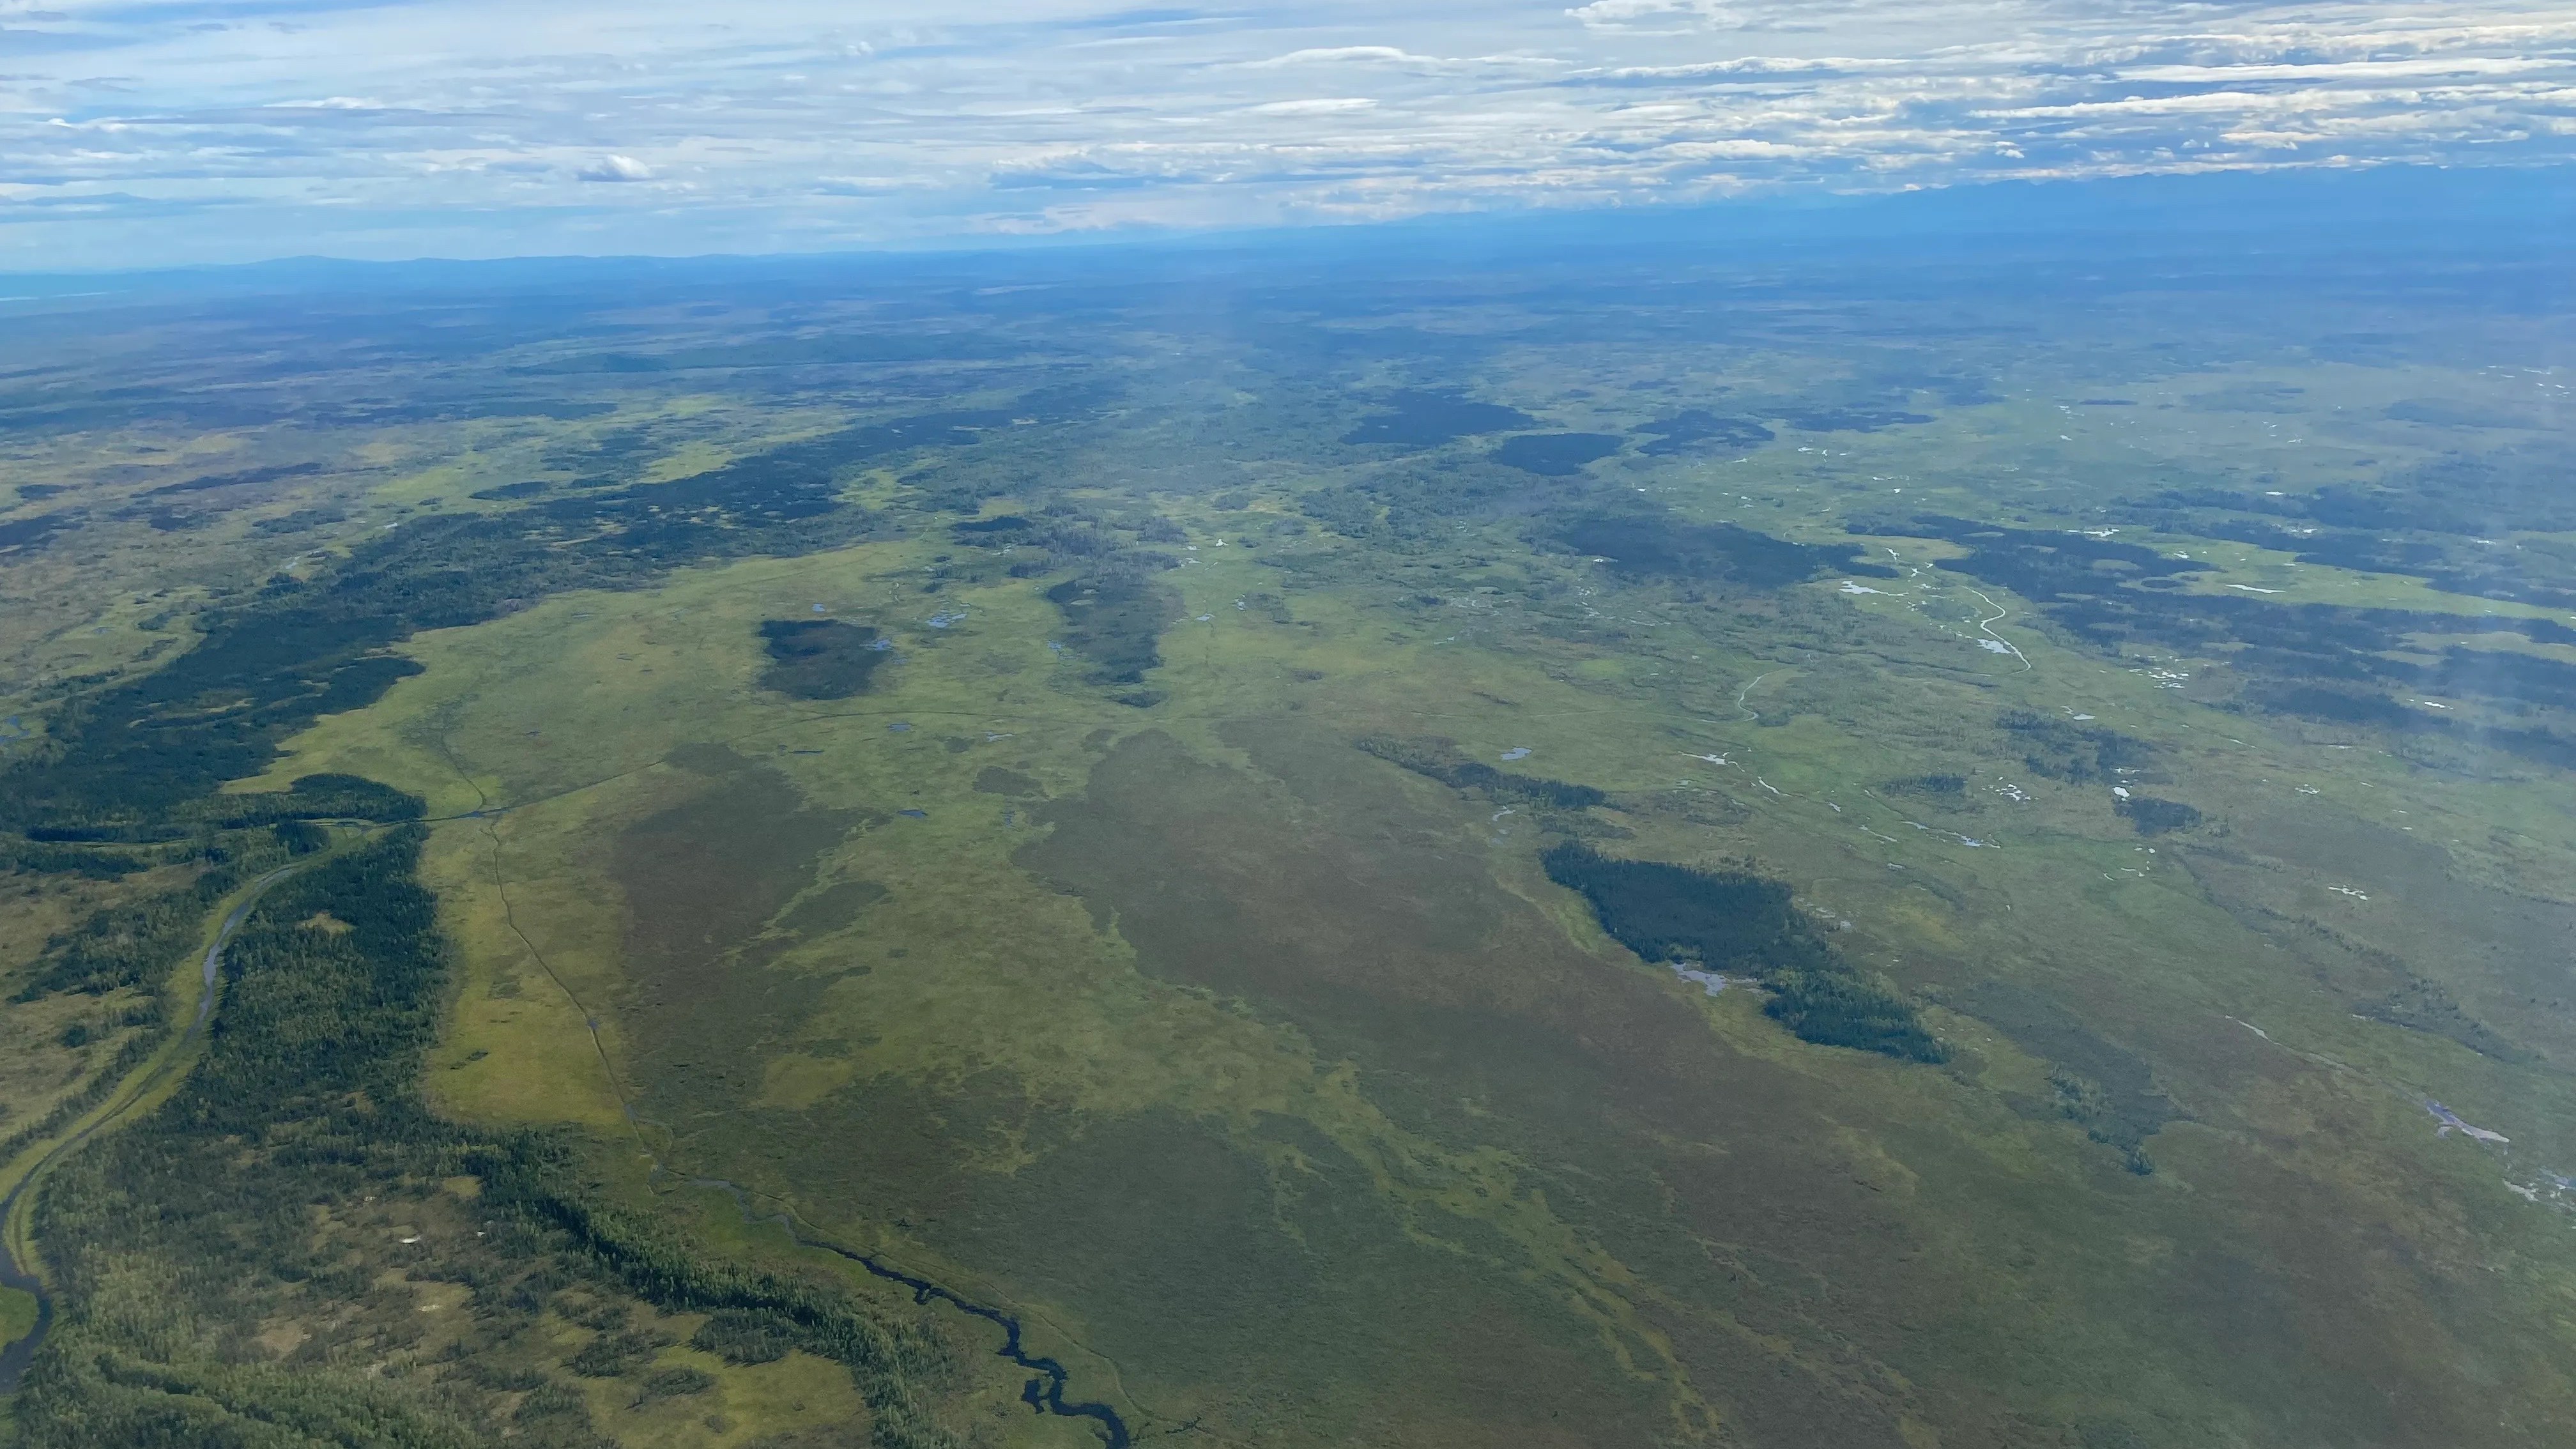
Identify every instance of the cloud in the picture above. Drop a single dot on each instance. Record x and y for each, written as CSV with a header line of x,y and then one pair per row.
x,y
1320,106
1320,55
616,168
1658,17
1388,55
451,125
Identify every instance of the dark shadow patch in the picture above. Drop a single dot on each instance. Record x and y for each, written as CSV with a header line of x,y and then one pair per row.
x,y
1116,623
244,479
1741,924
2044,567
1849,420
1441,760
2448,413
2107,1090
301,520
2251,397
706,759
2061,750
1428,419
991,530
2317,661
1009,784
835,350
1697,430
1662,546
820,658
18,533
2152,816
832,908
1555,455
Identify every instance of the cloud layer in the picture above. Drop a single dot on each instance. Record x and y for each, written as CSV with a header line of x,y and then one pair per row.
x,y
139,131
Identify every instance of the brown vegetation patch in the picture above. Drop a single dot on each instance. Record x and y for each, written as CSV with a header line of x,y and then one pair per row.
x,y
703,880
1320,897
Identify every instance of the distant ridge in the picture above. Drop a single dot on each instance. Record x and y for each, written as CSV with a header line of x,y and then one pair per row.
x,y
2487,210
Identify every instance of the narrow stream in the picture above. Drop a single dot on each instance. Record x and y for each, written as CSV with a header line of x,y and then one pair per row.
x,y
1044,1393
15,1358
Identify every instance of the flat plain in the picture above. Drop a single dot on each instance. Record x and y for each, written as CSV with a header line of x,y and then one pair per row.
x,y
1067,791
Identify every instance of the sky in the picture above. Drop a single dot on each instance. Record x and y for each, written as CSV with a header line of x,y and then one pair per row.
x,y
158,132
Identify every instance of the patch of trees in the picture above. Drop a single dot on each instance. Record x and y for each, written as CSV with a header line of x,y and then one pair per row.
x,y
759,1311
1742,924
120,762
1946,792
263,1190
1441,761
132,943
312,797
2043,566
1345,511
104,1080
1409,502
175,1236
2421,1005
38,857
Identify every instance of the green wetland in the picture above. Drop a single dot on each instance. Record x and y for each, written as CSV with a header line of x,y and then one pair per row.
x,y
1652,846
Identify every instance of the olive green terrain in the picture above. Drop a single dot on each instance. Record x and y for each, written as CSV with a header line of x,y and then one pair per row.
x,y
1615,853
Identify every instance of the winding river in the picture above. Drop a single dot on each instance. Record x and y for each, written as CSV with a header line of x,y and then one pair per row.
x,y
1043,1393
22,1276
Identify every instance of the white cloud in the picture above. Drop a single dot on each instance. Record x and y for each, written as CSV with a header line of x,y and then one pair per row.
x,y
616,168
451,125
1326,54
1658,16
1320,106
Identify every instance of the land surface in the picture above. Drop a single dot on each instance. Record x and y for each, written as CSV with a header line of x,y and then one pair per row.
x,y
1606,850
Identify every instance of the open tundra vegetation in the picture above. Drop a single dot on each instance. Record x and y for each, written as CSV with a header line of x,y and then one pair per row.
x,y
1643,844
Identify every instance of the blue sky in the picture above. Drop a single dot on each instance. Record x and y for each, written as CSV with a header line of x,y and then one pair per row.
x,y
145,132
